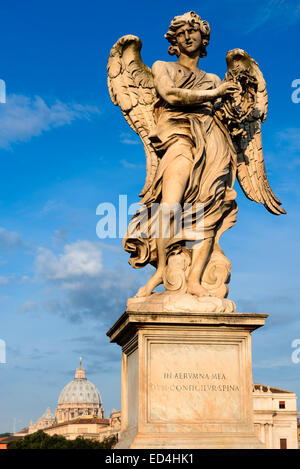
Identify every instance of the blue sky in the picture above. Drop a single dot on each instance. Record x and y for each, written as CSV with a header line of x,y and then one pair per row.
x,y
64,149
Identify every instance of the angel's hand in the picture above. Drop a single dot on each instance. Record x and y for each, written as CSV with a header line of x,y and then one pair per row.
x,y
226,88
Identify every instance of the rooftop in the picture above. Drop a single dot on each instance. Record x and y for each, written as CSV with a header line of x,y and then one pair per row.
x,y
264,388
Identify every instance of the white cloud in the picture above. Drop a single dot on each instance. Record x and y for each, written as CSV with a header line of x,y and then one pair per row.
x,y
51,206
264,12
269,13
10,239
290,139
274,363
288,143
23,117
80,259
4,280
25,279
8,279
78,285
130,139
28,306
129,165
60,236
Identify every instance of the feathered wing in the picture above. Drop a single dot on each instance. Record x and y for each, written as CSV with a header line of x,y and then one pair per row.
x,y
243,114
130,84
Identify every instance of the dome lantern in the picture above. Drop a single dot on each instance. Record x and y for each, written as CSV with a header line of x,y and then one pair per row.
x,y
80,371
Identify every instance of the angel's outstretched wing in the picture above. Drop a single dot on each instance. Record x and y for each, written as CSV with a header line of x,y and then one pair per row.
x,y
243,114
130,84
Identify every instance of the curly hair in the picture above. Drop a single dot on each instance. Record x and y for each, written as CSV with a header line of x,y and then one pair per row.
x,y
194,20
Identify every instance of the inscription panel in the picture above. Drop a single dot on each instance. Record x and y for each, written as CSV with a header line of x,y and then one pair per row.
x,y
194,382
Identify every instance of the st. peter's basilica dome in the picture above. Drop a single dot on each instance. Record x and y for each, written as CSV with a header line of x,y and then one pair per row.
x,y
79,397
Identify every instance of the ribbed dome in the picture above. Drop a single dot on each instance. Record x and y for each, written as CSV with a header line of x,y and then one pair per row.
x,y
47,415
80,390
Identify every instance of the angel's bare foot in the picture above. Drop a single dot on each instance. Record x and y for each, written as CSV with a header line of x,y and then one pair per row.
x,y
194,288
152,283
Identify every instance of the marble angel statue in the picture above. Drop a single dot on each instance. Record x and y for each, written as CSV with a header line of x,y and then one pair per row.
x,y
199,135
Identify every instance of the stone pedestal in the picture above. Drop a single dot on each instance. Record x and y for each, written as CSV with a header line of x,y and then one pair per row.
x,y
186,378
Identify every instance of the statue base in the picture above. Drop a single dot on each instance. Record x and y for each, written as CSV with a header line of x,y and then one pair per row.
x,y
186,377
168,302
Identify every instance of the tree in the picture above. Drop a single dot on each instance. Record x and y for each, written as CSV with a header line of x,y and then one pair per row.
x,y
40,440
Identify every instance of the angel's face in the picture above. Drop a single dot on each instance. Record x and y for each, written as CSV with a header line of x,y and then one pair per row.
x,y
188,39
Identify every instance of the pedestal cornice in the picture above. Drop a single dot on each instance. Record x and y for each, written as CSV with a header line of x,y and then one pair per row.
x,y
130,321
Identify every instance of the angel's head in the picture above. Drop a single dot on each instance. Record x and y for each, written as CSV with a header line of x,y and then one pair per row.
x,y
189,34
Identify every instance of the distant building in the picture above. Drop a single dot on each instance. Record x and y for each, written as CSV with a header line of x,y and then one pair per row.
x,y
88,427
46,420
3,443
7,439
275,417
